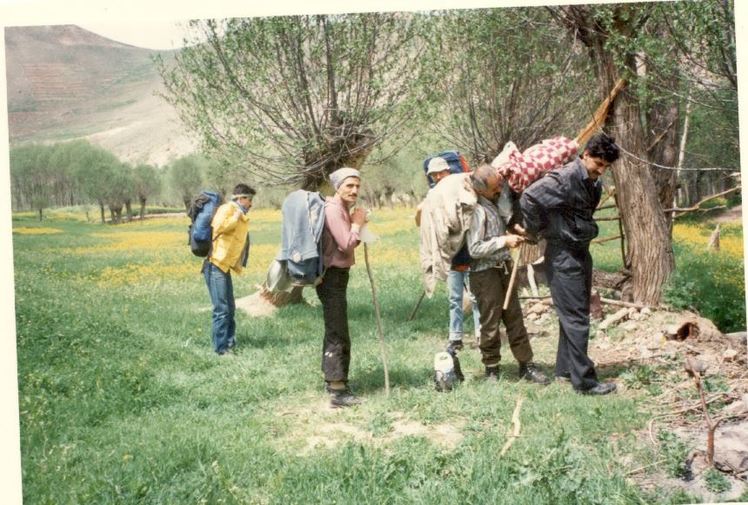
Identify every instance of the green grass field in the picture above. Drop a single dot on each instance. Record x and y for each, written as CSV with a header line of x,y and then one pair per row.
x,y
122,400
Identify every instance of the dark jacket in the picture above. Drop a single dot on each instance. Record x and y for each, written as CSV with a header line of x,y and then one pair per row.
x,y
559,206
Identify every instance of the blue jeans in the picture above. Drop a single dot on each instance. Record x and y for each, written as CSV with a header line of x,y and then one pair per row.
x,y
456,282
222,296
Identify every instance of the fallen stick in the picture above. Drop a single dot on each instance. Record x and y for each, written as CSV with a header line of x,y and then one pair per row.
x,y
606,239
516,427
624,304
379,320
651,436
637,470
697,406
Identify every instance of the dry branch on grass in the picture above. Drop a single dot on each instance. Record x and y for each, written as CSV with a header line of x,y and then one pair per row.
x,y
516,428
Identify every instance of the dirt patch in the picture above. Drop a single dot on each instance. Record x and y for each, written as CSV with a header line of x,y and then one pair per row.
x,y
317,426
732,214
256,305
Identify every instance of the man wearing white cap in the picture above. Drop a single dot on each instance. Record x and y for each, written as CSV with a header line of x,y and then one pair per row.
x,y
458,276
339,239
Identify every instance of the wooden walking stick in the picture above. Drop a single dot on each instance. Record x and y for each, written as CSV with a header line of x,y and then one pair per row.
x,y
418,304
516,255
379,320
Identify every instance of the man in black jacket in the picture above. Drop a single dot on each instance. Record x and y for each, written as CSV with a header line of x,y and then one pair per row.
x,y
559,207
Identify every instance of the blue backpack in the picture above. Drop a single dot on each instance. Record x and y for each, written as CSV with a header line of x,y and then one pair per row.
x,y
201,212
457,164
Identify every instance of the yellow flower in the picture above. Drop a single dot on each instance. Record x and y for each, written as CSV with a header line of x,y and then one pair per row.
x,y
40,230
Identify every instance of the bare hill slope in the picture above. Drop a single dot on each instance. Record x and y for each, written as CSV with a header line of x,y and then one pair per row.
x,y
65,83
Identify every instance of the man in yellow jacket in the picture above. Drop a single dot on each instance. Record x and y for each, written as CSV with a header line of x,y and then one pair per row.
x,y
229,251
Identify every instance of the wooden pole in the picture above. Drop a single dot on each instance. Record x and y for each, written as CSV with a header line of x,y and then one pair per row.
x,y
598,119
379,320
508,295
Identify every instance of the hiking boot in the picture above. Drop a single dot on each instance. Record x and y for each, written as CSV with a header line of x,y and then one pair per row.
x,y
342,398
454,345
601,388
531,372
492,373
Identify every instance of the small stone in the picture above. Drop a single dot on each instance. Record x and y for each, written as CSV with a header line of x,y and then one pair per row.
x,y
630,325
532,316
729,354
646,311
656,342
644,352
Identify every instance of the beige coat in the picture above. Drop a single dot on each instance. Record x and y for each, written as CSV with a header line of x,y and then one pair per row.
x,y
445,219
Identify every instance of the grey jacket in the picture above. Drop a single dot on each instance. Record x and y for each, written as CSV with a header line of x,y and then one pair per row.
x,y
486,238
301,230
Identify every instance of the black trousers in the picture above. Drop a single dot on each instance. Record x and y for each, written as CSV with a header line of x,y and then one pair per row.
x,y
336,346
570,277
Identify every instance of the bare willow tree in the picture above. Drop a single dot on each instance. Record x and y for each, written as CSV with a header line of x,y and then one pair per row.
x,y
601,29
291,99
506,74
660,49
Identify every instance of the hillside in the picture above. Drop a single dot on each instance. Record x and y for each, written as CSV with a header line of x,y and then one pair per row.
x,y
65,83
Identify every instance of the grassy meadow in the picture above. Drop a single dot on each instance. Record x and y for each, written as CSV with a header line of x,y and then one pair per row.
x,y
122,400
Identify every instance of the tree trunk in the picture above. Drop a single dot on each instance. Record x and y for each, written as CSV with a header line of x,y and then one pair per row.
x,y
649,247
103,214
683,184
664,123
40,214
142,208
128,207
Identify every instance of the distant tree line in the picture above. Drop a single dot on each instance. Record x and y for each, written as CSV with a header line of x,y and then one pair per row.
x,y
80,173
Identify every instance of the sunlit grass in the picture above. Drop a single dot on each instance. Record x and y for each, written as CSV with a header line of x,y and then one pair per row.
x,y
697,236
40,230
122,401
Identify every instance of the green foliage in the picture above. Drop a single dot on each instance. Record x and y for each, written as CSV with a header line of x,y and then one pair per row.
x,y
674,451
639,377
716,482
122,401
290,99
711,284
501,75
186,176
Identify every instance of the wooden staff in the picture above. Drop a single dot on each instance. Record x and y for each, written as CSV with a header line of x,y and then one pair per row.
x,y
508,295
379,320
